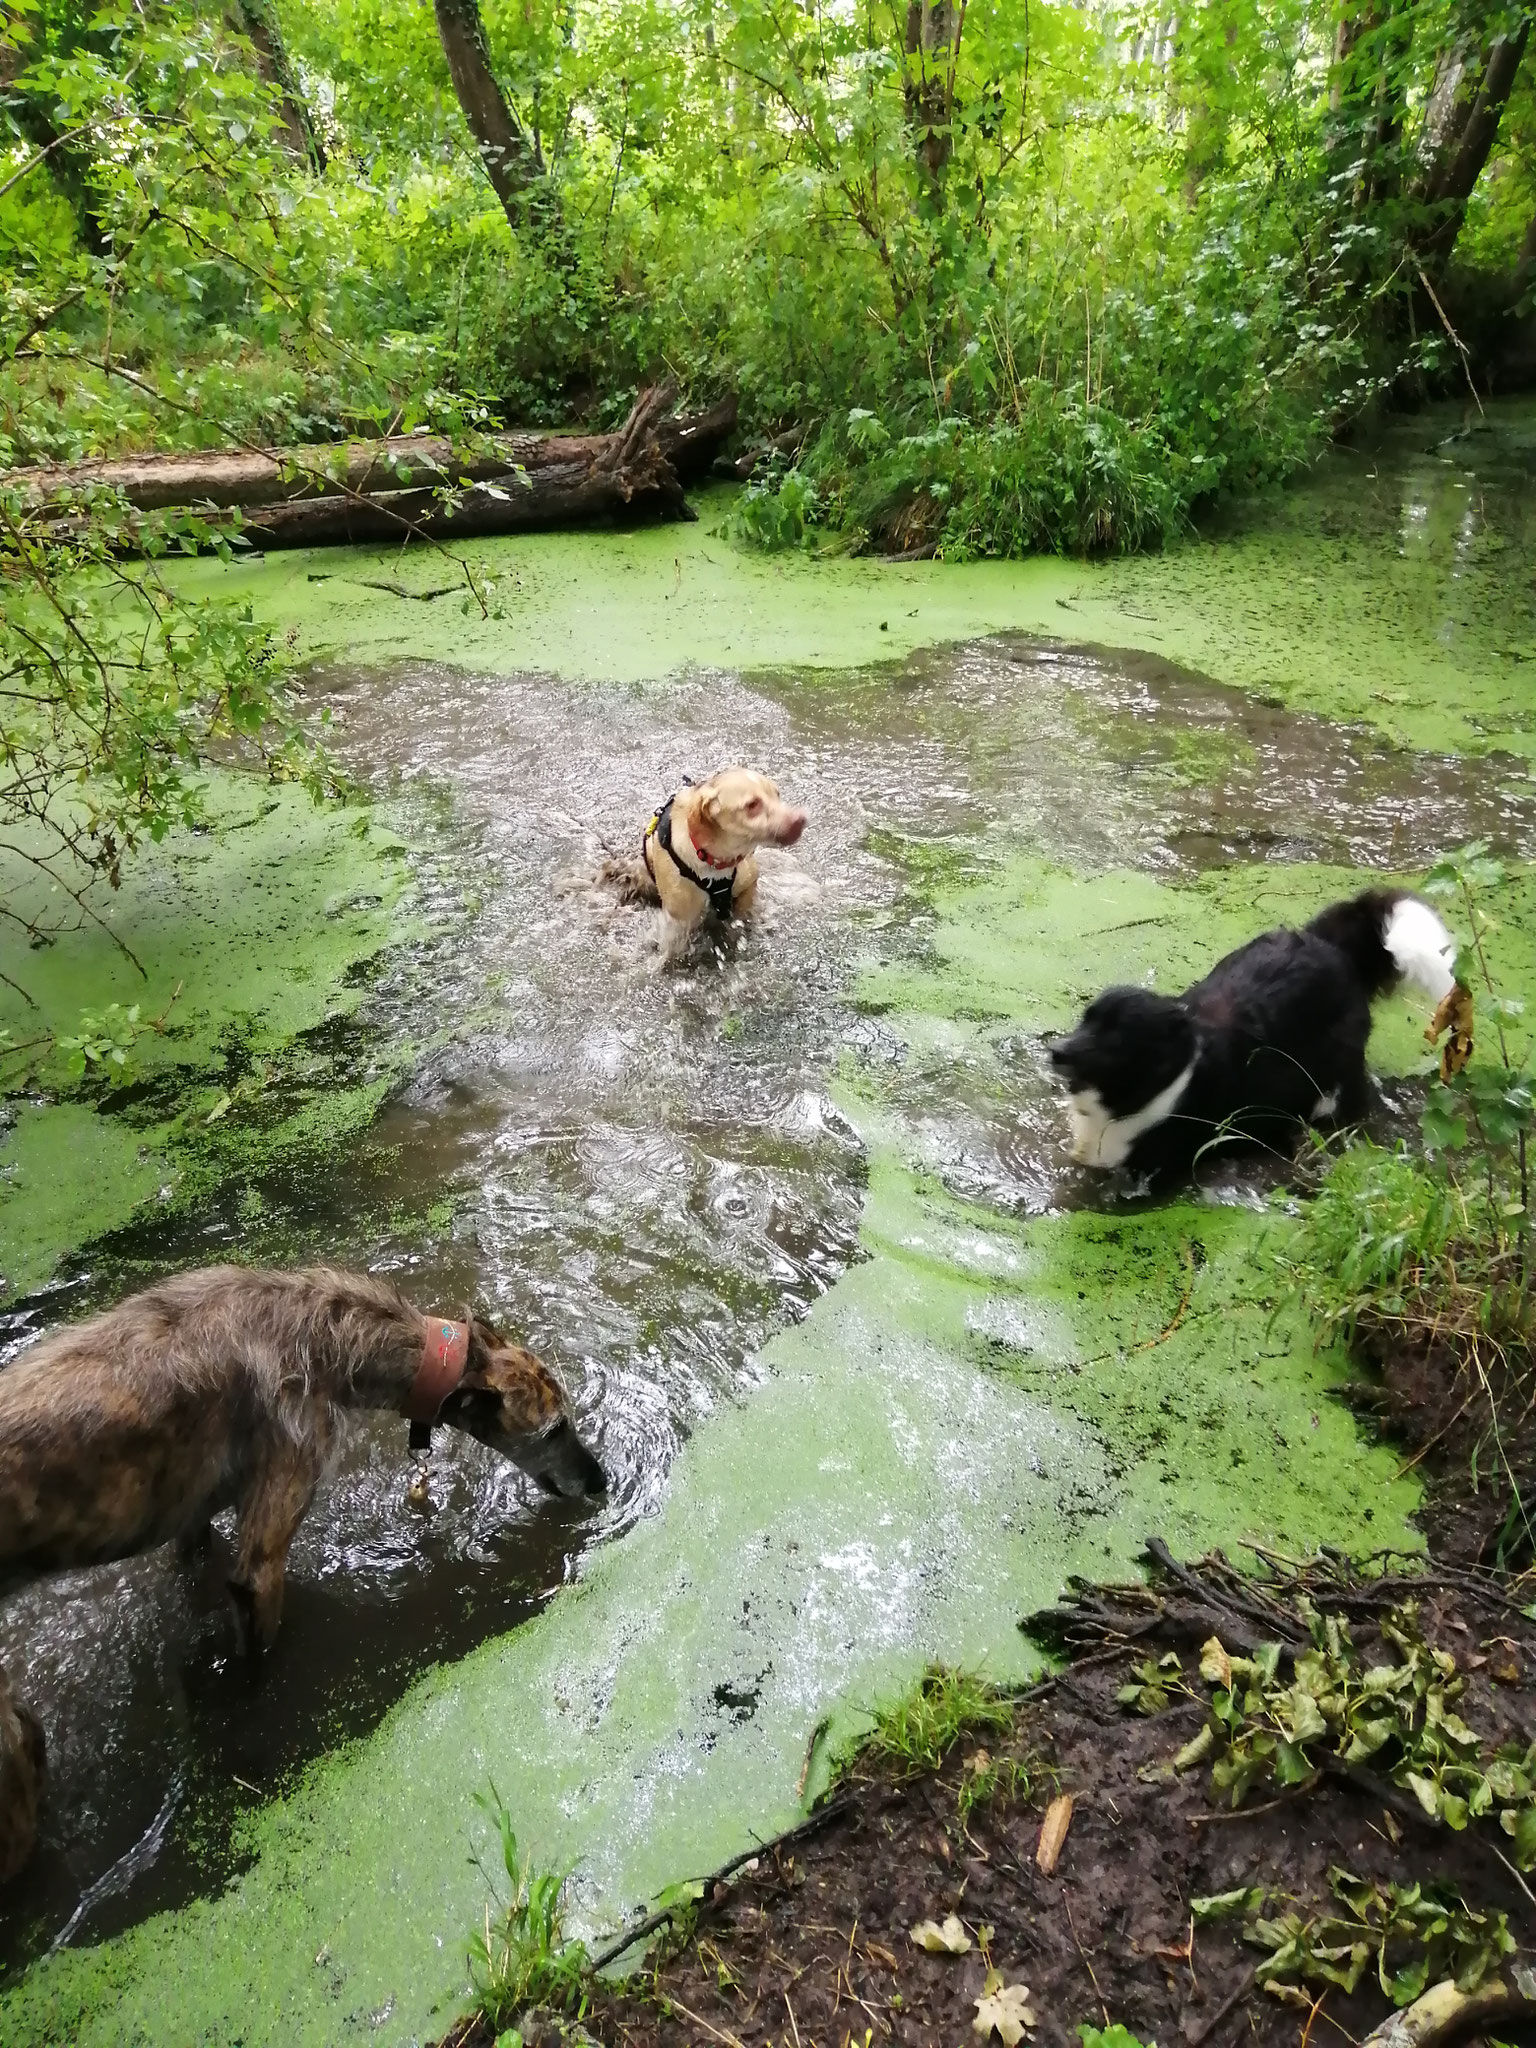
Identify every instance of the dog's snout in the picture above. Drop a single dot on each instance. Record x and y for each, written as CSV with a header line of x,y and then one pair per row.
x,y
792,828
563,1465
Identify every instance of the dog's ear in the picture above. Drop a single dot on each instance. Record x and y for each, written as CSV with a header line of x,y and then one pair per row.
x,y
709,808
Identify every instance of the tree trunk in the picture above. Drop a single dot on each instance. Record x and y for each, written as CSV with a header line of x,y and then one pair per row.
x,y
512,162
258,23
1471,131
933,39
387,490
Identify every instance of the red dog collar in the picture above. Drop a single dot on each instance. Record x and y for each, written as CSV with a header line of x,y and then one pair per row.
x,y
444,1355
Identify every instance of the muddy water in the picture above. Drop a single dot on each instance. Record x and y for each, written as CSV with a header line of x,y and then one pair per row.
x,y
634,1161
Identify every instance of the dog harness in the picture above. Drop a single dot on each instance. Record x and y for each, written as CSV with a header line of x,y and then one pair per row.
x,y
718,887
444,1355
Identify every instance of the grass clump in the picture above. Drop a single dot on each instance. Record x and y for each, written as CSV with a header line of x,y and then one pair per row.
x,y
522,1957
1391,1243
916,1732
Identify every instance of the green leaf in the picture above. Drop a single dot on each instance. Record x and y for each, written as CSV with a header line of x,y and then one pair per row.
x,y
1426,1791
1227,1905
1292,1765
1524,1832
1444,1130
1409,1983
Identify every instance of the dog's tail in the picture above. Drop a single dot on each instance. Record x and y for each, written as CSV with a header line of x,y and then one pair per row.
x,y
1389,935
627,875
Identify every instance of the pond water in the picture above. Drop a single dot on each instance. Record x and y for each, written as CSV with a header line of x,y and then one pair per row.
x,y
647,1167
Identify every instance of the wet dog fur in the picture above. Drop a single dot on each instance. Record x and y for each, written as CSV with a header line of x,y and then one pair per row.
x,y
22,1760
226,1387
725,819
1272,1039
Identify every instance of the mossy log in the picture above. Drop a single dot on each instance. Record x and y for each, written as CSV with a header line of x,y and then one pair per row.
x,y
416,484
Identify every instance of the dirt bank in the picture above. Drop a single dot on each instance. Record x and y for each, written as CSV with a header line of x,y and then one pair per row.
x,y
1168,1907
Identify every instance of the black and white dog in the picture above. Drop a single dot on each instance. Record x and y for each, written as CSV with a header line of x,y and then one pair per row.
x,y
1273,1038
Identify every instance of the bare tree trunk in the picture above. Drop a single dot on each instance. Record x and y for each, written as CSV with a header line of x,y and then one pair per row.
x,y
512,163
933,40
257,22
1470,133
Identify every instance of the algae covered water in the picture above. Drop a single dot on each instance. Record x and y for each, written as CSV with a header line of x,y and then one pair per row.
x,y
871,1363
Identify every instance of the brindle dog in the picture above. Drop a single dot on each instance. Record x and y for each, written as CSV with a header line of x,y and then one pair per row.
x,y
226,1388
22,1757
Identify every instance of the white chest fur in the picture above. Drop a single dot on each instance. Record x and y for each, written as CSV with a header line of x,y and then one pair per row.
x,y
1098,1139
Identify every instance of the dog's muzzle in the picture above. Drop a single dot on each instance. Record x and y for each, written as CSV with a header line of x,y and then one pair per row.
x,y
562,1464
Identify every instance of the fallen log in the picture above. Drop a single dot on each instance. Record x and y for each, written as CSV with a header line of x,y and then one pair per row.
x,y
391,490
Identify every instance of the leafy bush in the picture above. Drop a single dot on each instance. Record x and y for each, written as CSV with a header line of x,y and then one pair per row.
x,y
1415,1935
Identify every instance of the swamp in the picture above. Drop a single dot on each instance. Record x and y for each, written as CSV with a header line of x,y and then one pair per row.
x,y
1087,458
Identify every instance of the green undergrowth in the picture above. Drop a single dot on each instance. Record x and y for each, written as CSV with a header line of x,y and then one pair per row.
x,y
1432,1249
216,988
1267,1731
1388,1722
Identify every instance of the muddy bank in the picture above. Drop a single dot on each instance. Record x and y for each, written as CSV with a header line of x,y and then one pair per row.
x,y
1142,1920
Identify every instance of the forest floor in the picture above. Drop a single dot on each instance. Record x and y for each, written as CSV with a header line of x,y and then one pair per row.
x,y
811,1944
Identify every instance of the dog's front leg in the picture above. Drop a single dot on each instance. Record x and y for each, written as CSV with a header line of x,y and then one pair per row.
x,y
275,1503
744,887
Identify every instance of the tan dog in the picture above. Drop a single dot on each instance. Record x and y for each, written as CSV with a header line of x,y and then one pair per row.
x,y
700,849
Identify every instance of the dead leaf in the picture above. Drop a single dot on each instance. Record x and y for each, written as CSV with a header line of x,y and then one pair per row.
x,y
1003,2010
1504,1671
1455,1016
949,1940
1053,1832
1215,1664
881,1954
